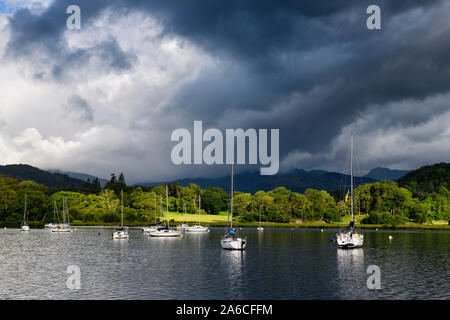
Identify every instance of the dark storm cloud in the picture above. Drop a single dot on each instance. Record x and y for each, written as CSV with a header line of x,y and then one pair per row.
x,y
35,34
307,67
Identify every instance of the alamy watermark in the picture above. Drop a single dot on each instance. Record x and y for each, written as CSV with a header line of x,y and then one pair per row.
x,y
374,280
213,153
74,280
74,20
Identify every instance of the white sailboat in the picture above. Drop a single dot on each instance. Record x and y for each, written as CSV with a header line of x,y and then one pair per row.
x,y
122,232
52,224
260,228
65,226
25,226
152,227
184,225
165,232
198,228
350,238
230,241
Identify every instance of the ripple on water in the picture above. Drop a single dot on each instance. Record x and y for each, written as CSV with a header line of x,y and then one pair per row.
x,y
278,264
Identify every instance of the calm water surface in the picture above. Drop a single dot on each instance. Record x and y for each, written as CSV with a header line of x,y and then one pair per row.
x,y
278,264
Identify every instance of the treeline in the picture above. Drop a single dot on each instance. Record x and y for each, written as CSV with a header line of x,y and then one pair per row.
x,y
383,202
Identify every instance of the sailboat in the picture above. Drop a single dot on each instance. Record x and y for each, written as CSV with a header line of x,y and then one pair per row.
x,y
165,231
25,226
230,241
65,226
153,227
52,224
122,232
184,225
260,228
198,228
350,238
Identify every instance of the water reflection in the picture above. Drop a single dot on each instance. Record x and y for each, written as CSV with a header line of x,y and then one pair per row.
x,y
351,273
277,264
232,263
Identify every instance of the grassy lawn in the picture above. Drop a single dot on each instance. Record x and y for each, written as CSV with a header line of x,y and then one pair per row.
x,y
193,218
221,220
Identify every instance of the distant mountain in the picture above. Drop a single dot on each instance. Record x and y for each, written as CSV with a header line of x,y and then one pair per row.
x,y
386,174
80,176
26,172
298,181
427,179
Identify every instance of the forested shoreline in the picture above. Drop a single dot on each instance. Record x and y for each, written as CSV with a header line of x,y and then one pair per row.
x,y
383,202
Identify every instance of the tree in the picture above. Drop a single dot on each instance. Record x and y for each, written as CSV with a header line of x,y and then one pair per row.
x,y
96,186
112,182
120,185
214,200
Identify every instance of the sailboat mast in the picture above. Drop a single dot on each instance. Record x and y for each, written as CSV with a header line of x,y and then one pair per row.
x,y
122,206
67,212
231,204
167,204
184,210
199,204
155,208
260,215
64,210
25,209
351,173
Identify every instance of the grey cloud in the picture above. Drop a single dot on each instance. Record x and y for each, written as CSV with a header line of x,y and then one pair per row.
x,y
309,68
81,107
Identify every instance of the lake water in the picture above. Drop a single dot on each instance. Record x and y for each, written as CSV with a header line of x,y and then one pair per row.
x,y
277,264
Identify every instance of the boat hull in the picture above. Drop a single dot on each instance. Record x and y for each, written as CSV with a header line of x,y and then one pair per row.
x,y
197,229
120,235
233,244
61,230
148,229
165,234
347,241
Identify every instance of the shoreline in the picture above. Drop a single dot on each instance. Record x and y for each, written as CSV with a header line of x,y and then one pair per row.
x,y
317,225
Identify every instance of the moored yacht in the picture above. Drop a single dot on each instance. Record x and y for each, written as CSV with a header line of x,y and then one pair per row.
x,y
165,231
260,228
25,226
231,241
184,225
52,224
197,228
350,238
122,232
152,227
65,226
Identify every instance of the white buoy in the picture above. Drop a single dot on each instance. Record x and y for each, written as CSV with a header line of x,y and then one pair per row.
x,y
321,230
376,229
391,237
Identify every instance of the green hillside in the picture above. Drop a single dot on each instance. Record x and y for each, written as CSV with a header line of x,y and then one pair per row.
x,y
427,179
24,172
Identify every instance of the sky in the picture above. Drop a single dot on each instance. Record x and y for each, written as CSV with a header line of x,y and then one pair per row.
x,y
107,97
